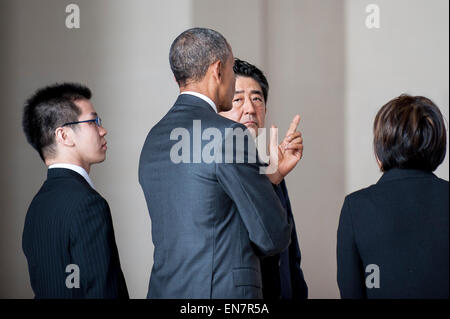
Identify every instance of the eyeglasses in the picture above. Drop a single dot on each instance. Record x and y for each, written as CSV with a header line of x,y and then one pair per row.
x,y
97,121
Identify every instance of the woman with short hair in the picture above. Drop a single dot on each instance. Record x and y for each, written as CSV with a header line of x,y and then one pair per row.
x,y
392,240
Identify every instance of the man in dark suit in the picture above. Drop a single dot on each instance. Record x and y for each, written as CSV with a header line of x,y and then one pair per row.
x,y
211,217
282,276
68,236
393,239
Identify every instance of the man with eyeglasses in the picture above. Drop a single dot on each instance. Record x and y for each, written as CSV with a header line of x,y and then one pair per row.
x,y
68,237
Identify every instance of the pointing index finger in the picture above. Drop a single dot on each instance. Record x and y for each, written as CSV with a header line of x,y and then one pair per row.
x,y
294,125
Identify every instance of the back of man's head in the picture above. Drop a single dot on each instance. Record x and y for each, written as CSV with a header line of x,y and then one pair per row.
x,y
46,110
193,51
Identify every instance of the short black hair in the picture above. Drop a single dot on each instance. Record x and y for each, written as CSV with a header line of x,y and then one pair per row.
x,y
49,108
193,51
243,68
409,132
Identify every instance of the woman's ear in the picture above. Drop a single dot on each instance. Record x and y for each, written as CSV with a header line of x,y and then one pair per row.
x,y
380,165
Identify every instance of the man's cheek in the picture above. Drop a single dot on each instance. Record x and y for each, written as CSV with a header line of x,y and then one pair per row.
x,y
235,116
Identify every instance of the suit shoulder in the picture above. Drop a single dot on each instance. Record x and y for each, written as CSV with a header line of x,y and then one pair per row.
x,y
442,183
360,194
92,200
440,188
68,192
357,199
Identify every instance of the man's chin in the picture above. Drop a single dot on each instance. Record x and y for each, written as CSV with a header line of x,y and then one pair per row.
x,y
101,159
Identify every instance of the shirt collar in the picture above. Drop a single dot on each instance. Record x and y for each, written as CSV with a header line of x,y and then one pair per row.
x,y
80,170
203,97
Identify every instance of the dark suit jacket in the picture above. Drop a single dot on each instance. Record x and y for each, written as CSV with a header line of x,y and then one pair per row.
x,y
209,221
68,222
401,225
282,275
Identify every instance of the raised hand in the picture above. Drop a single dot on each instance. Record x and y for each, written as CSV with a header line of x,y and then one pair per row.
x,y
290,151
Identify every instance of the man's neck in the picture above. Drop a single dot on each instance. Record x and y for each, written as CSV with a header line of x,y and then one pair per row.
x,y
202,89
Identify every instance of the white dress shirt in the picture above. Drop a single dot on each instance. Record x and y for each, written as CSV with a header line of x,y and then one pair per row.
x,y
80,170
203,97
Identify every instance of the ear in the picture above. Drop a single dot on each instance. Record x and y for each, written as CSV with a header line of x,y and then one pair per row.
x,y
63,136
380,165
216,71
